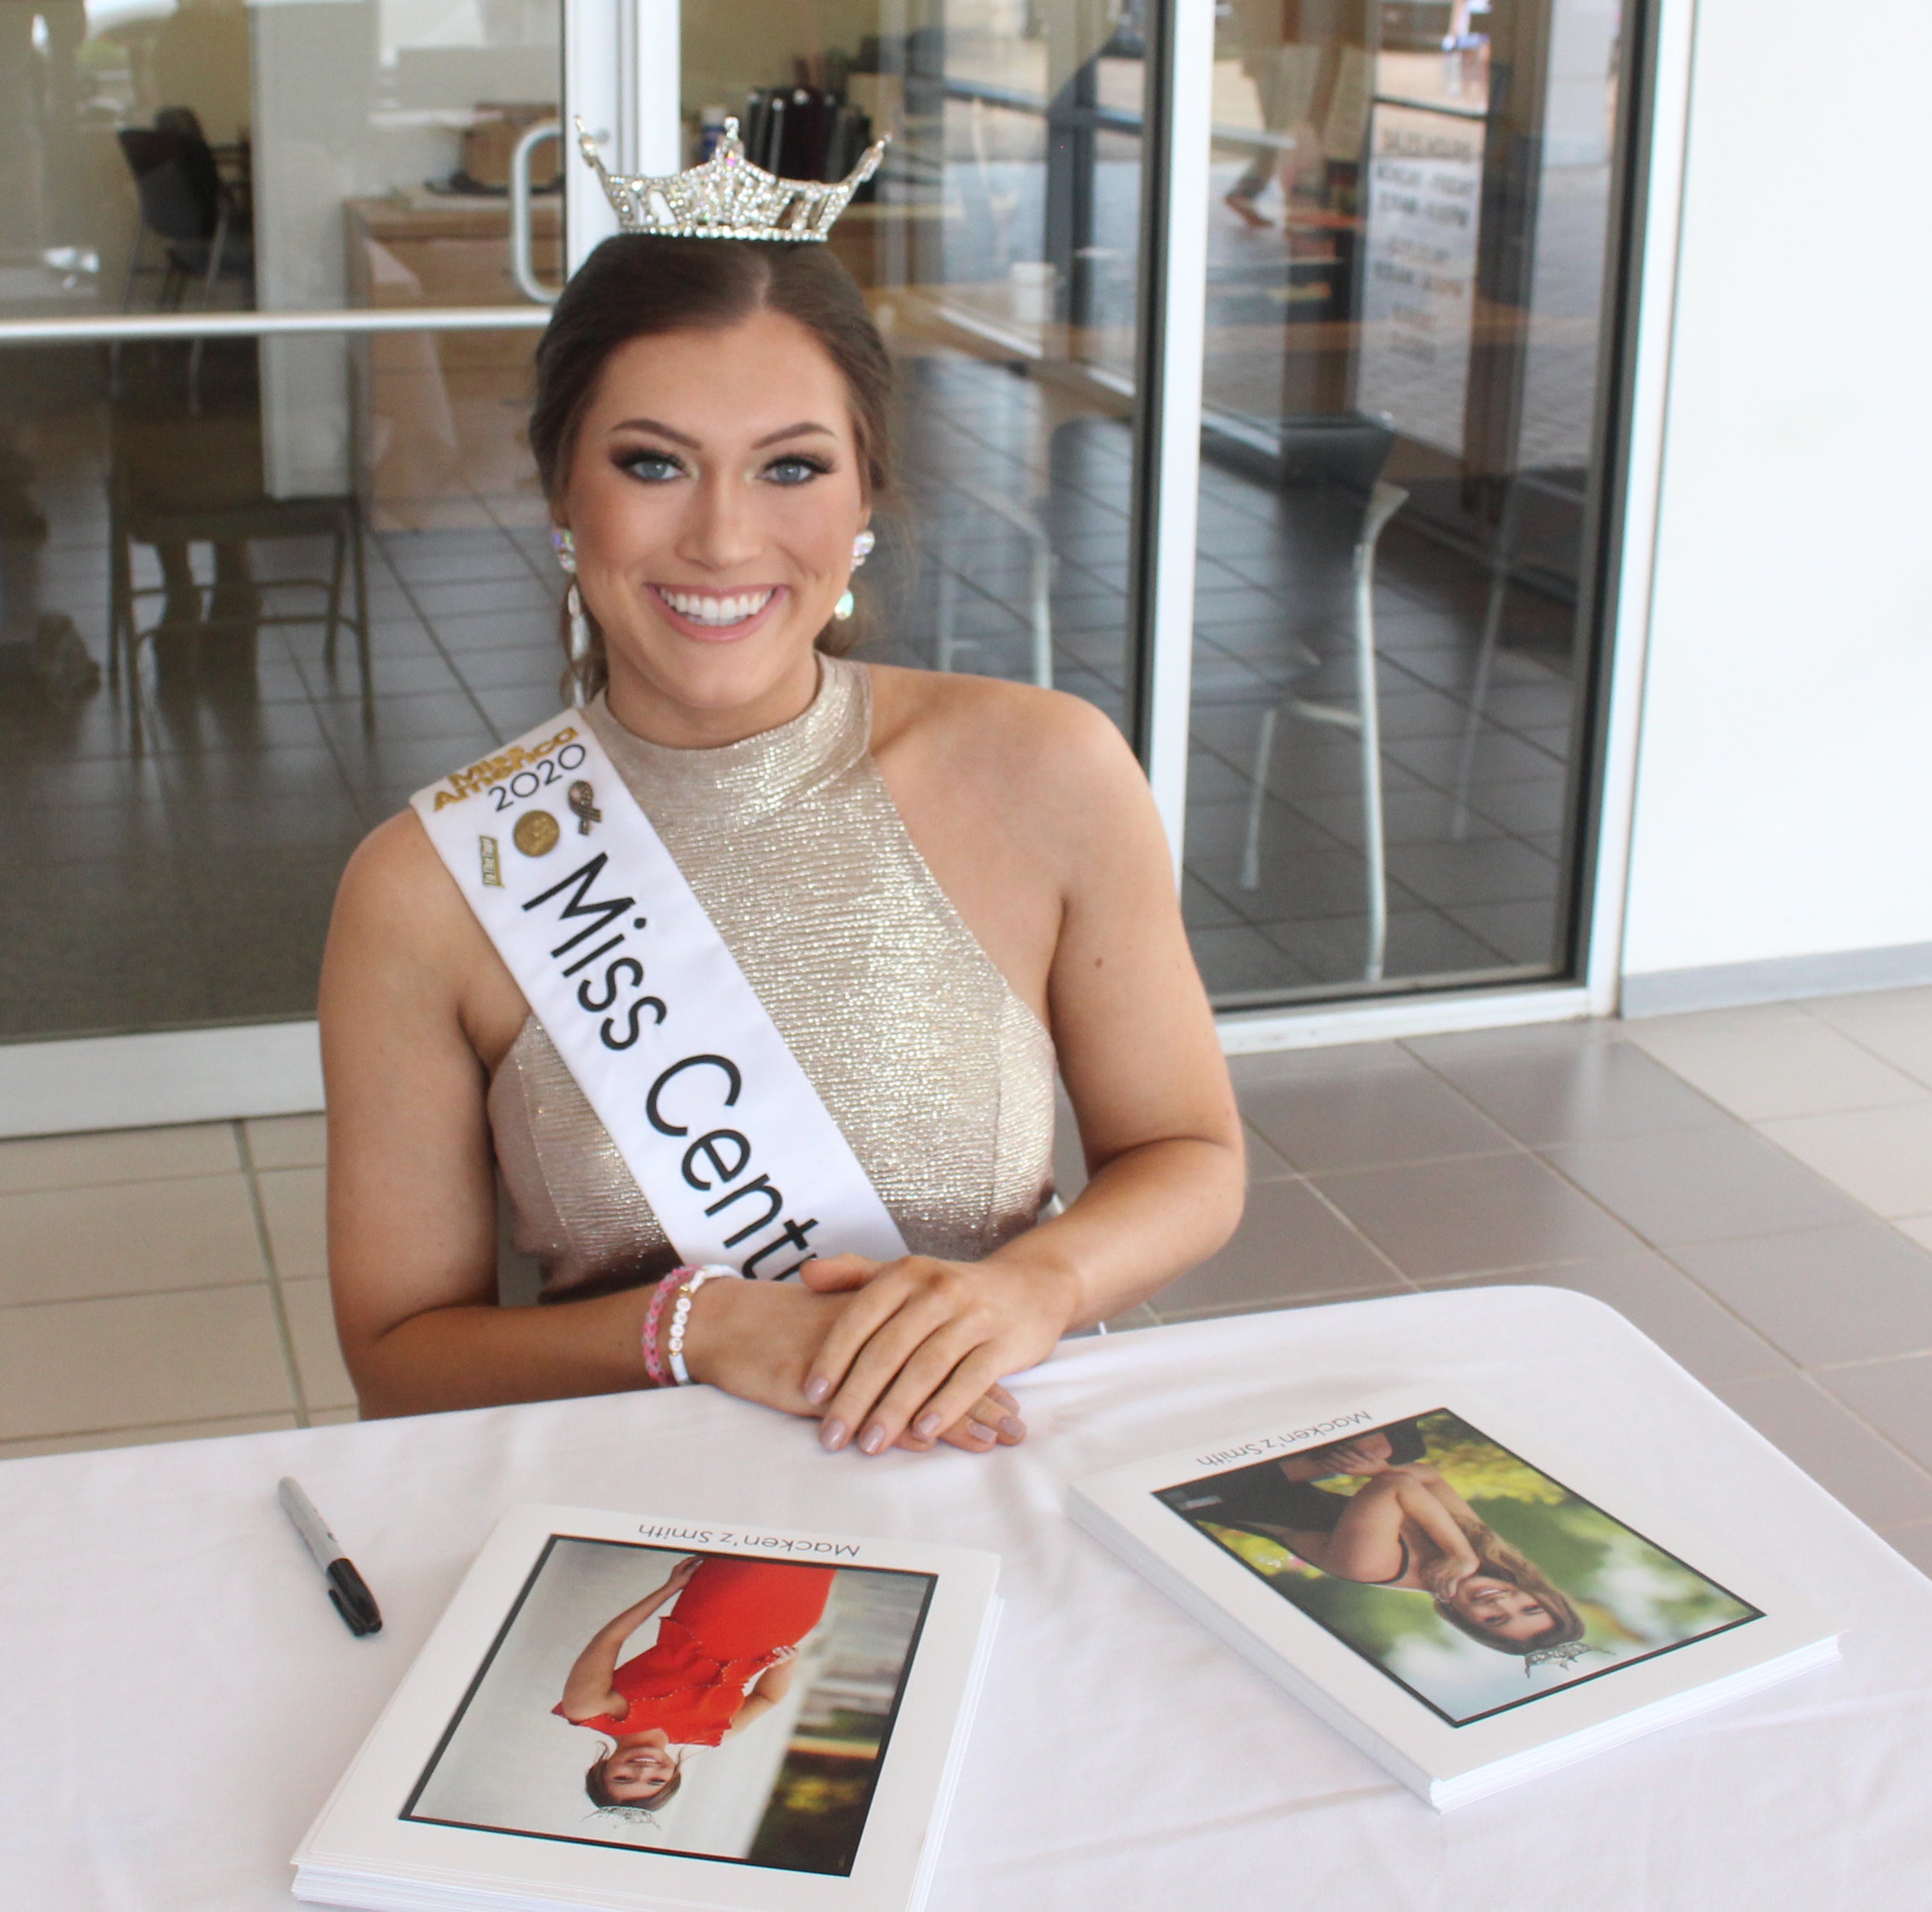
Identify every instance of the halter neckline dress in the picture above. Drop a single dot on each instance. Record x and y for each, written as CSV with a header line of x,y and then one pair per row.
x,y
940,1076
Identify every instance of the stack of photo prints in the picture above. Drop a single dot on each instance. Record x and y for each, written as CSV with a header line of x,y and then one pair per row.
x,y
622,1712
1421,1583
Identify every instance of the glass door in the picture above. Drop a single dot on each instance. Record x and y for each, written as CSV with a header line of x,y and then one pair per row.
x,y
1406,452
272,551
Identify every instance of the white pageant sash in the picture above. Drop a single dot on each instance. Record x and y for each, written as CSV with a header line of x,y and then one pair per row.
x,y
734,1150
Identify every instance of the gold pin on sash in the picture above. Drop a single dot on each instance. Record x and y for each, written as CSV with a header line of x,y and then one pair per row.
x,y
493,866
586,812
536,833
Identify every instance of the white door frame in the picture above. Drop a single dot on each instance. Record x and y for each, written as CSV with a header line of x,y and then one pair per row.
x,y
271,1069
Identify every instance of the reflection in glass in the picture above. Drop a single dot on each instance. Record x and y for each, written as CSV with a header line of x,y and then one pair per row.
x,y
1408,218
1000,251
201,153
210,691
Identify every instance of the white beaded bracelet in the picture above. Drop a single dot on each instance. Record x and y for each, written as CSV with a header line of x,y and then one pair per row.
x,y
680,1318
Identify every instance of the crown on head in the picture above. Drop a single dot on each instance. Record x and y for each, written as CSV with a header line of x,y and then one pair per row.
x,y
727,197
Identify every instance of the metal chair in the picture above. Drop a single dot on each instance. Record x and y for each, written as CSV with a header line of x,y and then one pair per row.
x,y
202,230
1564,488
179,476
1040,593
1339,460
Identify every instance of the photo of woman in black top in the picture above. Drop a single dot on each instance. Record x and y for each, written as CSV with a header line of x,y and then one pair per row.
x,y
1405,1526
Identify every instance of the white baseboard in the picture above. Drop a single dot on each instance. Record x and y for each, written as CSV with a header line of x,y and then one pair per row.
x,y
142,1082
1257,1032
1778,979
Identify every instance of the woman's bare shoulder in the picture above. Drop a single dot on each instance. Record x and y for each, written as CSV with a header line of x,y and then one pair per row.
x,y
394,887
399,914
1030,745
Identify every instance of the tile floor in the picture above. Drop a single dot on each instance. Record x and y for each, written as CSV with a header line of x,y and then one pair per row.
x,y
191,881
1753,1189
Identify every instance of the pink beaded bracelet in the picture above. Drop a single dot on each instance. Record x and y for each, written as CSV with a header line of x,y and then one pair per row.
x,y
653,1316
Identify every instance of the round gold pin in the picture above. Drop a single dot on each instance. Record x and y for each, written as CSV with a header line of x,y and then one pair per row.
x,y
536,833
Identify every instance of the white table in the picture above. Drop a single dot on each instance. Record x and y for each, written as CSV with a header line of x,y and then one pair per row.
x,y
176,1697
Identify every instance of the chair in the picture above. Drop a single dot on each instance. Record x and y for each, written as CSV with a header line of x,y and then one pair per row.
x,y
1565,487
1040,594
1338,462
185,204
180,476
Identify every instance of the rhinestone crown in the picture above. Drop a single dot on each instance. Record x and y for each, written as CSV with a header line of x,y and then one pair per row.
x,y
727,197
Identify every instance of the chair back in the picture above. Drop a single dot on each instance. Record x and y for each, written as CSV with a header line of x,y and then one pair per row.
x,y
174,173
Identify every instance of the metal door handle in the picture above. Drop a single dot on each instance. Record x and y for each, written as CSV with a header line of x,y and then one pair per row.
x,y
521,264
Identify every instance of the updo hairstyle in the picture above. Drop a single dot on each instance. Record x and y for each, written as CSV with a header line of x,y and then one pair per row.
x,y
636,286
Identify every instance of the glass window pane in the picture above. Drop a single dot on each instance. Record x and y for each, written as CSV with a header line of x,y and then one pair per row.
x,y
174,838
1000,252
1409,215
276,156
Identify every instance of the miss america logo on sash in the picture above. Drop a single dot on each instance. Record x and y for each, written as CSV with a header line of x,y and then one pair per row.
x,y
737,1154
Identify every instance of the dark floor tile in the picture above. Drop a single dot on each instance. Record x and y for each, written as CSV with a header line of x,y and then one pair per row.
x,y
1521,932
498,596
1845,1458
1365,1114
1493,869
1289,1247
1499,757
1421,942
1849,1294
515,711
1474,1214
1672,1311
1706,1185
1575,1092
1295,879
1236,957
1408,816
446,713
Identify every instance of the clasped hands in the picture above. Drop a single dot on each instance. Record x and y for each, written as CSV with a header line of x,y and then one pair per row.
x,y
908,1352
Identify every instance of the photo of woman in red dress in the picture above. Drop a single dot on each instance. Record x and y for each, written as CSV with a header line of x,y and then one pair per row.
x,y
723,1657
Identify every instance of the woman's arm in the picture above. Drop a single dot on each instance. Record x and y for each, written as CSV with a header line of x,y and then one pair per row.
x,y
1411,1502
774,1683
413,998
588,1688
1366,1544
1052,780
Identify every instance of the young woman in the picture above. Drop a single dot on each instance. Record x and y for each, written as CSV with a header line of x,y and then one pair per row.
x,y
939,887
1405,1526
723,1658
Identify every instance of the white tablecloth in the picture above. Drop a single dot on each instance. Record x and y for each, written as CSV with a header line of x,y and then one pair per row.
x,y
176,1697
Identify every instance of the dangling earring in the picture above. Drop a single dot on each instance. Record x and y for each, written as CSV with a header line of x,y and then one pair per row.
x,y
565,545
862,549
579,624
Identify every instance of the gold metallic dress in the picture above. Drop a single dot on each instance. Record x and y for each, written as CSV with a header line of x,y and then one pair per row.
x,y
940,1076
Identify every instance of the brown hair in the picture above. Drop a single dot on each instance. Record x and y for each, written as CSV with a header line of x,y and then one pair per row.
x,y
638,286
1500,1561
599,1792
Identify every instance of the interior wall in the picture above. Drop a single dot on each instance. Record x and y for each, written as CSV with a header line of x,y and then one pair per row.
x,y
1784,783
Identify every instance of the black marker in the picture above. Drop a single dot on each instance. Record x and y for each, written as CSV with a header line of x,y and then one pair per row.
x,y
350,1597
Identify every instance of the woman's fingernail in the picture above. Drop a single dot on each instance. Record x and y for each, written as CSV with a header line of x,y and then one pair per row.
x,y
1013,1428
926,1426
832,1434
872,1439
975,1431
817,1388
